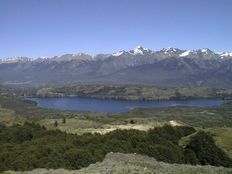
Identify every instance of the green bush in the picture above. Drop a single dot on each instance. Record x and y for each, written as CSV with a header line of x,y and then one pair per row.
x,y
190,157
203,145
32,146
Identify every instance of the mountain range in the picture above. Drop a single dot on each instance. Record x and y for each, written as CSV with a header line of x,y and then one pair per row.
x,y
166,67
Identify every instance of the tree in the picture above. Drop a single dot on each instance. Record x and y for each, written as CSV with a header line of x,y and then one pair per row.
x,y
56,124
64,120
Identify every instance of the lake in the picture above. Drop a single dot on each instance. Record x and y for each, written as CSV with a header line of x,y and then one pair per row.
x,y
116,106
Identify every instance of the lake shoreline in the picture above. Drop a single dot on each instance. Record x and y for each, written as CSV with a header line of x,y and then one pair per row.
x,y
88,104
126,99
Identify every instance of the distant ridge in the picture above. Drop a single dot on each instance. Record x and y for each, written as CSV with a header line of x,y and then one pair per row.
x,y
166,67
139,50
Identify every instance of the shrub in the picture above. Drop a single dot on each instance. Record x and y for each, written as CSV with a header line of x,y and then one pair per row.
x,y
207,152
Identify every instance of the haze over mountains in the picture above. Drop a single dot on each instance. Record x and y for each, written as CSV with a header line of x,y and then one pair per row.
x,y
167,67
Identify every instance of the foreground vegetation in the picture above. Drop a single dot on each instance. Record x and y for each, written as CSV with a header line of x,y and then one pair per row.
x,y
118,163
31,146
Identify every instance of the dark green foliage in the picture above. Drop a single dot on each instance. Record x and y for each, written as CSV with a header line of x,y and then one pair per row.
x,y
190,157
207,152
31,146
64,120
78,158
17,134
163,143
56,124
132,122
172,134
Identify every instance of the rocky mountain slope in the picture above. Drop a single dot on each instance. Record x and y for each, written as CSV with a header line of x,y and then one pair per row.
x,y
167,67
119,163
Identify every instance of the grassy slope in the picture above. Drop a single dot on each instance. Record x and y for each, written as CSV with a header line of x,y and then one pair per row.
x,y
7,116
194,116
223,138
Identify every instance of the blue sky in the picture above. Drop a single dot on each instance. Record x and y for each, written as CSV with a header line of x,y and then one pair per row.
x,y
53,27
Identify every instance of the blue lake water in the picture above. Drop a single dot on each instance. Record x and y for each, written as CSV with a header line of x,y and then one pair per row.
x,y
116,106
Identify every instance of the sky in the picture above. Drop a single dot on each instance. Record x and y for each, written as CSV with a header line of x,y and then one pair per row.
x,y
35,28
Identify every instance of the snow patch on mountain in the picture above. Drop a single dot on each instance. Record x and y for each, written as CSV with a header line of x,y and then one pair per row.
x,y
168,50
118,53
186,53
226,54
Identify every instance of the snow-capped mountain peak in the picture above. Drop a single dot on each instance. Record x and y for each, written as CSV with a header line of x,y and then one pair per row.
x,y
140,50
206,51
138,54
170,50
